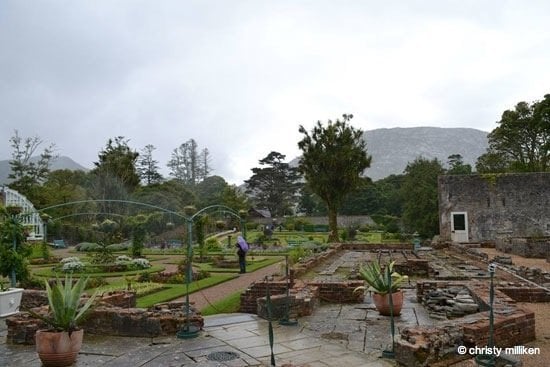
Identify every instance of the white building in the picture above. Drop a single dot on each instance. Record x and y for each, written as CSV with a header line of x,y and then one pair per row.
x,y
29,218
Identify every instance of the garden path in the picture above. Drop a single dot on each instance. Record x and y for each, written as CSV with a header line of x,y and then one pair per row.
x,y
207,296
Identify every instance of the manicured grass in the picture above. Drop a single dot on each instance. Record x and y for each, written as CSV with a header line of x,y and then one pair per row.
x,y
229,304
50,273
173,291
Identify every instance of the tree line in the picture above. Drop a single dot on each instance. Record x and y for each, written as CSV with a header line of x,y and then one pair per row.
x,y
330,178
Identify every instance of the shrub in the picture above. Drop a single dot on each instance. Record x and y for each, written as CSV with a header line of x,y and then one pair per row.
x,y
140,263
69,259
73,266
87,246
123,260
212,244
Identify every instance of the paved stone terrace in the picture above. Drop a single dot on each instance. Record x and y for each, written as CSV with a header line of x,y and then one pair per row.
x,y
336,335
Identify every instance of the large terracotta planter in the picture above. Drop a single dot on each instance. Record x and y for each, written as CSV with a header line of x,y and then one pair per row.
x,y
382,303
10,301
58,349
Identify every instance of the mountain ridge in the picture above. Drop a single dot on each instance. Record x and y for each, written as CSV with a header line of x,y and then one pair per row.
x,y
61,162
391,149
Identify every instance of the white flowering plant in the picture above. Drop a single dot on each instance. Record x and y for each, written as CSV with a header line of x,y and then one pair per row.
x,y
69,259
140,263
73,266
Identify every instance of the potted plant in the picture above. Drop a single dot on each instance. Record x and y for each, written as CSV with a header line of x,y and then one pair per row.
x,y
10,299
60,343
378,281
13,262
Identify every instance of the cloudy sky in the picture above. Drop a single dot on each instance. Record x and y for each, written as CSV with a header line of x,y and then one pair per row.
x,y
239,77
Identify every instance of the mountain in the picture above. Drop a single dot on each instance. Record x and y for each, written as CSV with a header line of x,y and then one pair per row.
x,y
392,149
62,162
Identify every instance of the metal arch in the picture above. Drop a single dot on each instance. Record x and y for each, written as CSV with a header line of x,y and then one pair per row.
x,y
115,201
225,208
91,213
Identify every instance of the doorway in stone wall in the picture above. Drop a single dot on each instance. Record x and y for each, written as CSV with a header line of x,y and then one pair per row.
x,y
459,226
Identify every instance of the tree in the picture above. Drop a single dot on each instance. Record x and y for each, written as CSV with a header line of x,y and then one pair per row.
x,y
491,162
419,193
28,173
457,166
186,165
274,185
234,198
334,158
309,203
204,164
115,172
521,142
210,191
147,167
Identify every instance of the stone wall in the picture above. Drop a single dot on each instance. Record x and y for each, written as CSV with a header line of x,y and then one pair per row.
x,y
339,292
106,319
525,294
258,290
427,346
303,299
497,205
537,247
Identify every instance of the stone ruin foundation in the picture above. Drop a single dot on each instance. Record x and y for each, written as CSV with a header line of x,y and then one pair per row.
x,y
115,315
422,346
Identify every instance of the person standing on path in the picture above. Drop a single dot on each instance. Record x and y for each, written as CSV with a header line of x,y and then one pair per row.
x,y
242,248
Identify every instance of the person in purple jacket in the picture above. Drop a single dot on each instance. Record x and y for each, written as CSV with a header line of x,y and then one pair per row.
x,y
242,249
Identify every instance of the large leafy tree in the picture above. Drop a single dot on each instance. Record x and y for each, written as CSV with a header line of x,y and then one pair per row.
x,y
457,165
333,161
274,185
210,191
27,171
419,193
115,171
521,142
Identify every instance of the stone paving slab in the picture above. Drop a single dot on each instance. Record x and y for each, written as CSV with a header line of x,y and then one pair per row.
x,y
335,335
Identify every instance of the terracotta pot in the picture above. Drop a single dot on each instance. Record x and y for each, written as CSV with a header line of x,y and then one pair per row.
x,y
56,348
382,303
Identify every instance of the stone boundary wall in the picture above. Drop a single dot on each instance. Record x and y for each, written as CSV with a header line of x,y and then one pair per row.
x,y
397,246
428,345
532,247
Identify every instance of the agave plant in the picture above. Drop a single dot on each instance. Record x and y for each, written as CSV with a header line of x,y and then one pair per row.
x,y
64,300
378,278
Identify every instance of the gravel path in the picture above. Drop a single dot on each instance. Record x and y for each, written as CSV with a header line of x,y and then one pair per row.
x,y
203,298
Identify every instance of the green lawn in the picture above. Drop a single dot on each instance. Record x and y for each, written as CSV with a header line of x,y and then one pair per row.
x,y
50,273
229,304
173,291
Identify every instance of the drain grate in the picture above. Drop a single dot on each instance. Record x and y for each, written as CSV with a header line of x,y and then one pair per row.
x,y
222,356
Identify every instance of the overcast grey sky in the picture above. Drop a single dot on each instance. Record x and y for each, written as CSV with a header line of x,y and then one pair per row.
x,y
240,76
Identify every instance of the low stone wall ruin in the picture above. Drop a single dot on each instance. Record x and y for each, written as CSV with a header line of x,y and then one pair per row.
x,y
535,247
114,315
428,345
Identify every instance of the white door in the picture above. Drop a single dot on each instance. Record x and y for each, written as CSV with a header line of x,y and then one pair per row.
x,y
459,226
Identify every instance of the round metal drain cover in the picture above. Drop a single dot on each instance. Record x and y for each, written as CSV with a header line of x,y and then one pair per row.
x,y
222,356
